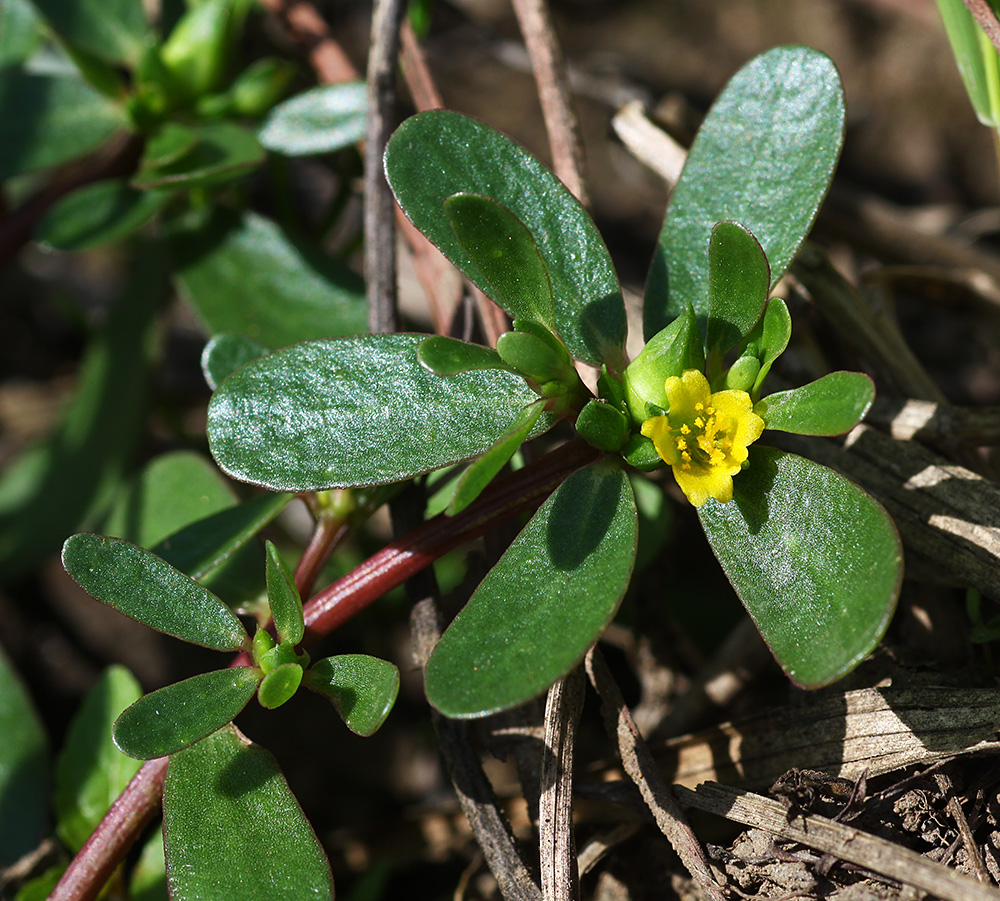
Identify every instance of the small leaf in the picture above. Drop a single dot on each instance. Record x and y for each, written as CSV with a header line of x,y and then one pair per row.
x,y
170,143
362,688
174,717
832,405
772,334
506,254
224,151
90,771
449,356
815,560
601,425
356,411
256,845
545,602
534,357
319,120
738,280
225,353
482,471
283,597
435,155
279,685
143,586
113,30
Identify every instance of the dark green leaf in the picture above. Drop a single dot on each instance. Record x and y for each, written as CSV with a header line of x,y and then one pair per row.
x,y
534,357
227,352
283,597
170,143
362,688
178,715
224,151
601,425
449,356
437,154
832,405
245,275
481,472
545,602
355,411
738,280
149,878
49,119
90,771
112,30
279,685
815,560
763,157
141,585
24,769
505,253
21,30
319,120
100,213
256,845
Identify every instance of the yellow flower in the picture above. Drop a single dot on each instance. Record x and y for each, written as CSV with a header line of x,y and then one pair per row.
x,y
704,436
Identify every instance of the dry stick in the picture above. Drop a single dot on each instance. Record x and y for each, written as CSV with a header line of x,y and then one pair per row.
x,y
983,13
553,92
308,28
642,770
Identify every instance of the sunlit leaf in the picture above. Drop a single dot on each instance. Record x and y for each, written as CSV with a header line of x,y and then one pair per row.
x,y
319,120
832,405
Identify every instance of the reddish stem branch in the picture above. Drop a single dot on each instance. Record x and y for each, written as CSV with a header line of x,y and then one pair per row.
x,y
325,538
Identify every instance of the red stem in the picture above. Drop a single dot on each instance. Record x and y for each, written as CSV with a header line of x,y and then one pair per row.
x,y
393,565
325,538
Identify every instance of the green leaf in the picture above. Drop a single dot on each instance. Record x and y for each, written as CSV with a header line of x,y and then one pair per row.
x,y
482,471
67,481
319,120
772,334
355,411
815,560
505,253
449,356
256,845
178,715
297,293
112,30
832,405
534,357
224,151
437,154
24,769
738,280
279,685
362,688
196,50
141,585
283,597
49,119
40,888
100,213
149,878
976,59
225,353
90,771
545,602
601,425
763,157
21,30
168,144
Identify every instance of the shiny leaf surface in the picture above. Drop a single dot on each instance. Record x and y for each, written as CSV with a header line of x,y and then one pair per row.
x,y
361,688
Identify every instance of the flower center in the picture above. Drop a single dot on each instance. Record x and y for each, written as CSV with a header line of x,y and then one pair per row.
x,y
705,440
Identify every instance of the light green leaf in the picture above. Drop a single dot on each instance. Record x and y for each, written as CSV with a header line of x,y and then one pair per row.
x,y
141,585
437,154
21,30
279,685
772,335
283,597
545,602
355,411
319,120
226,352
112,30
361,688
449,356
738,280
90,771
763,157
178,715
832,405
256,845
815,560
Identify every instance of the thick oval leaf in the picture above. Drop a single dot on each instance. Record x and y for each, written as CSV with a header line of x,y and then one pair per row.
x,y
227,352
279,685
449,356
832,405
355,411
90,771
112,30
361,688
178,715
763,157
738,281
320,120
816,561
143,586
101,213
255,845
437,154
24,769
224,151
283,597
49,119
545,602
505,252
245,275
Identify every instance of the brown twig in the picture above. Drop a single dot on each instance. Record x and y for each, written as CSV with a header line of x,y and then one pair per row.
x,y
983,13
308,28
